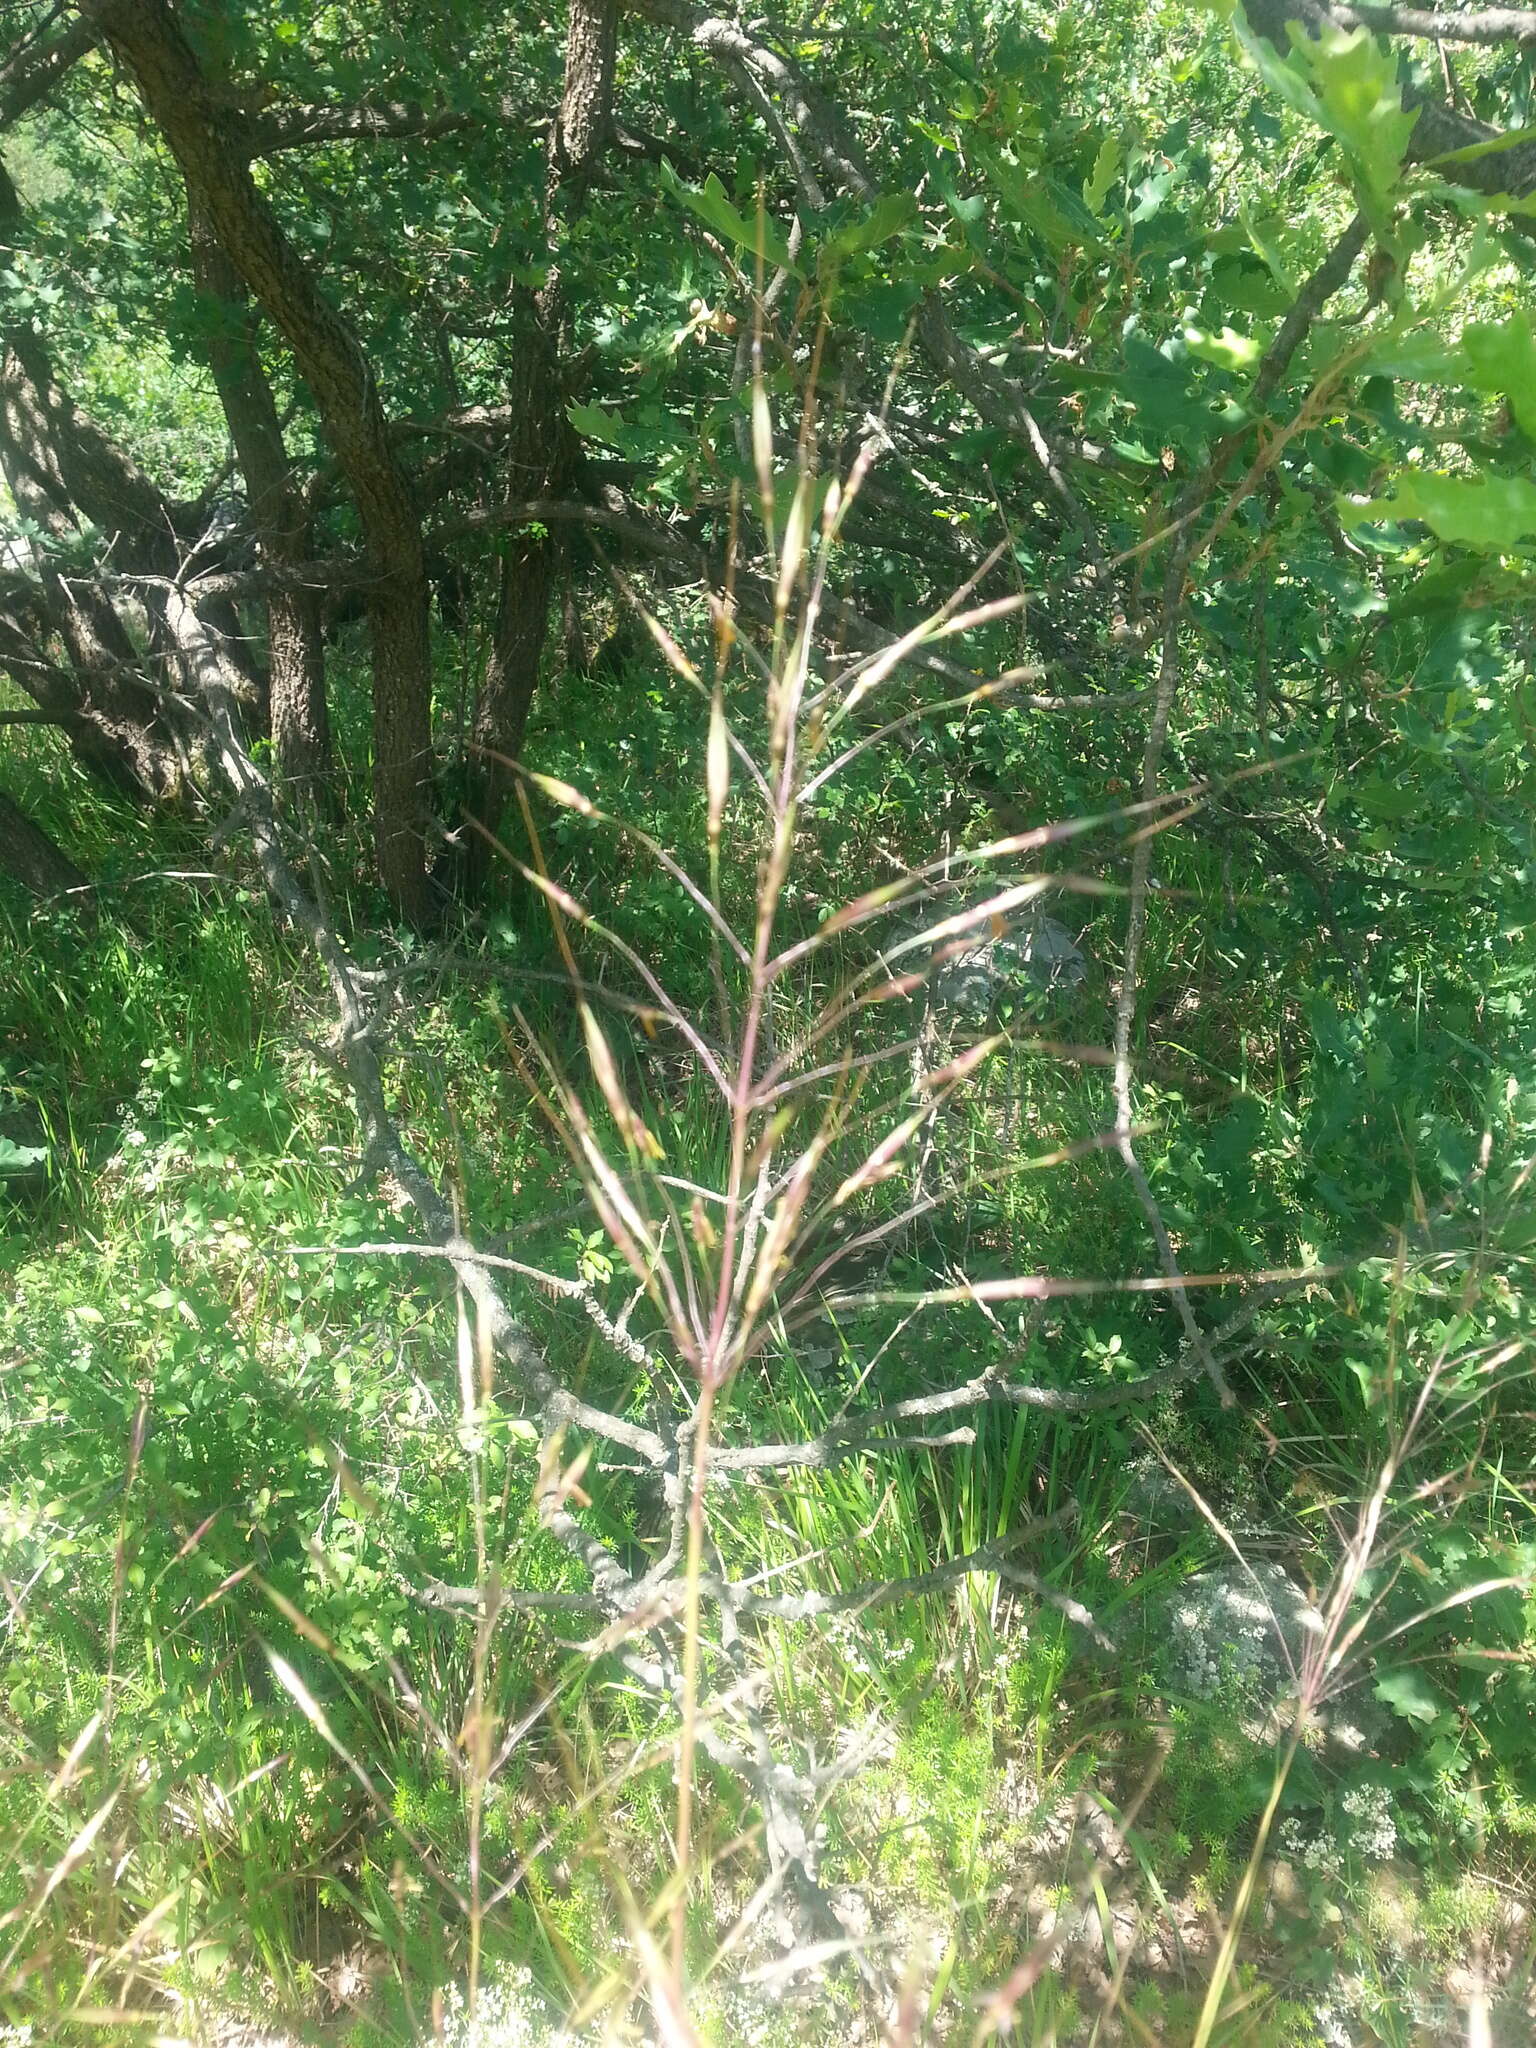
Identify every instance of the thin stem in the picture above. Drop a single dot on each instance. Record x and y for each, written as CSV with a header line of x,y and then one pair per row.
x,y
688,1740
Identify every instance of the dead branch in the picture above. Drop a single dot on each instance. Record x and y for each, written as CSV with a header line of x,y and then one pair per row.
x,y
1441,25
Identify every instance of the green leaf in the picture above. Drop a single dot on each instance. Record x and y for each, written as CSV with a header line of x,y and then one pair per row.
x,y
1421,358
1409,1694
1267,249
15,1158
1228,350
597,423
1380,797
1503,358
1493,512
1348,84
1512,138
1348,592
1442,592
1151,193
1493,356
1283,76
1248,286
887,217
879,309
1106,168
712,207
1361,101
1057,215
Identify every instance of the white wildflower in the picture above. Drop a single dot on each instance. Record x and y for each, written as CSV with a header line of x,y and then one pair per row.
x,y
1332,2027
1319,1852
509,2013
1374,1833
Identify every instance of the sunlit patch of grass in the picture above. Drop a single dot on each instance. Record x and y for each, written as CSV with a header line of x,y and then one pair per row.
x,y
200,1420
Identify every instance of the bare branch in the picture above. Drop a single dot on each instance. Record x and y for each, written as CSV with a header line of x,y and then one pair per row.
x,y
1476,25
991,1557
1330,276
865,1432
33,68
293,127
558,1407
212,673
614,1586
1125,1007
819,1453
733,48
654,1605
434,1593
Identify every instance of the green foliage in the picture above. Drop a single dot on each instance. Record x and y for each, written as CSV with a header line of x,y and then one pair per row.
x,y
231,1435
1347,82
1491,513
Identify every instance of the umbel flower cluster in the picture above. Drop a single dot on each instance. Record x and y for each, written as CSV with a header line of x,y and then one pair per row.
x,y
1369,1832
1240,1630
509,2013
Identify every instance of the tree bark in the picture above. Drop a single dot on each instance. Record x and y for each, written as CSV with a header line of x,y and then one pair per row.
x,y
110,721
539,460
147,36
30,857
541,453
35,66
65,473
300,721
586,105
59,469
74,462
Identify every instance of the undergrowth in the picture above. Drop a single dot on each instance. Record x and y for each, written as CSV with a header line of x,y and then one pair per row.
x,y
232,1445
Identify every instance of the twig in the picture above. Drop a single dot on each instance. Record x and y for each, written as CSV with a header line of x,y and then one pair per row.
x,y
1330,276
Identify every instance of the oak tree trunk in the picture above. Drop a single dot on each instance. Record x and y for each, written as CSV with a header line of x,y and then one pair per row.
x,y
586,103
300,720
539,459
542,452
202,135
30,857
